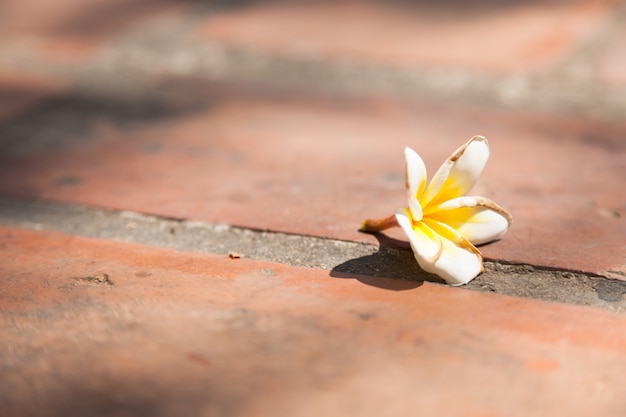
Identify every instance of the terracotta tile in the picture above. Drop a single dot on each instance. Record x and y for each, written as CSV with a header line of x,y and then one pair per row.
x,y
530,35
319,166
182,334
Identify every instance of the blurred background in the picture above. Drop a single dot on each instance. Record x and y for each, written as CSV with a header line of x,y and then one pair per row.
x,y
556,55
202,109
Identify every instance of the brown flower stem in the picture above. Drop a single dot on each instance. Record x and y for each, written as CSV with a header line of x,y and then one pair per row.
x,y
378,225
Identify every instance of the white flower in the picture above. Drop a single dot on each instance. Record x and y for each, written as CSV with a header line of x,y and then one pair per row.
x,y
441,222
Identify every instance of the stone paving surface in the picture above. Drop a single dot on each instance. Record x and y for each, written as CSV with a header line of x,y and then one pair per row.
x,y
102,328
319,167
344,259
288,120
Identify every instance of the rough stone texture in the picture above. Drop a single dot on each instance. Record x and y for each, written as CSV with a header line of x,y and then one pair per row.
x,y
390,258
318,166
168,333
213,115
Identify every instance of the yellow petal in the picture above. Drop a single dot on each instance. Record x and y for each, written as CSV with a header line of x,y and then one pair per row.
x,y
426,244
460,261
459,173
477,219
415,181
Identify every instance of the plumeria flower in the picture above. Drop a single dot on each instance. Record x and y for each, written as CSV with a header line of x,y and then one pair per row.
x,y
444,224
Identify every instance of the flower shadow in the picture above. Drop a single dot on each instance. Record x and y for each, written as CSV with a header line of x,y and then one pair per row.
x,y
393,267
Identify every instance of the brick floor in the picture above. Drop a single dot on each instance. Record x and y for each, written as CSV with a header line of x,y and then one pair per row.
x,y
140,105
319,166
179,333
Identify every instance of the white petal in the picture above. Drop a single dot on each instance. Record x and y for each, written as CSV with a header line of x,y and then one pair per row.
x,y
415,181
425,243
477,219
459,173
460,262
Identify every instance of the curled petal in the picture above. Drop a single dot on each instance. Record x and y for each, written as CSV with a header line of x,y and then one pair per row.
x,y
477,219
415,181
460,261
459,173
426,244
